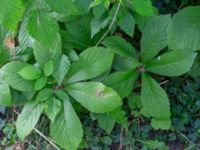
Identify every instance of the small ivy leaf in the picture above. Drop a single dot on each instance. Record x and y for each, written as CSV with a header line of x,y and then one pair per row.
x,y
95,96
48,68
44,95
40,83
163,124
28,118
30,72
52,108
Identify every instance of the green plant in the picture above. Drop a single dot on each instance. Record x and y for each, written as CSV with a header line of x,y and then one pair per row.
x,y
51,60
154,100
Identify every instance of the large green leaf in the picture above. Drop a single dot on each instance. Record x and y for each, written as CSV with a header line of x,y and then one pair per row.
x,y
120,46
154,36
61,68
28,118
92,62
67,129
45,31
11,77
65,7
5,96
154,99
172,63
79,38
11,13
143,7
184,31
122,82
95,96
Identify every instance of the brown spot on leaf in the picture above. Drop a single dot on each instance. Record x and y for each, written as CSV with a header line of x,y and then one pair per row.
x,y
99,93
9,42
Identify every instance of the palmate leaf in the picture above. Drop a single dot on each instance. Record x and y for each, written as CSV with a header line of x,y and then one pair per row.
x,y
154,99
94,96
184,31
92,62
154,36
11,13
67,130
11,77
173,63
28,118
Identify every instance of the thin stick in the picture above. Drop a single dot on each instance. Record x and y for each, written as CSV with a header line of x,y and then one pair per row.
x,y
121,139
113,21
164,82
42,135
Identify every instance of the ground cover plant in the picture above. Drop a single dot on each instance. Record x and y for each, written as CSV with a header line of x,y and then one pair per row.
x,y
89,68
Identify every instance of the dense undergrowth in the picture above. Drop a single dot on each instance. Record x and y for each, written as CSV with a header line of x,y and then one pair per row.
x,y
100,75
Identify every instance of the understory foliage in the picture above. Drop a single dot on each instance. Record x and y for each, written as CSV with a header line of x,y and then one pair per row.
x,y
60,58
